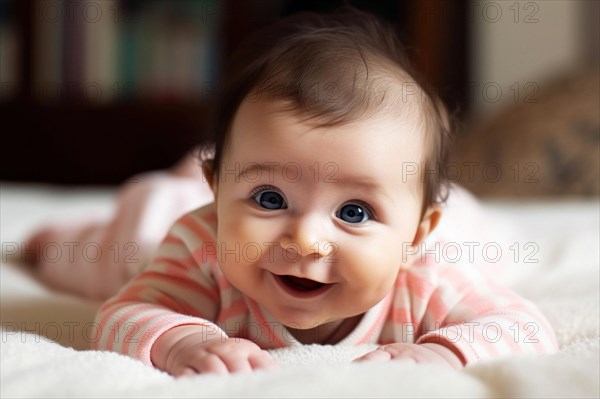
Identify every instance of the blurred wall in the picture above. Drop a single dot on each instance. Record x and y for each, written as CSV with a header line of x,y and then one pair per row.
x,y
517,46
535,91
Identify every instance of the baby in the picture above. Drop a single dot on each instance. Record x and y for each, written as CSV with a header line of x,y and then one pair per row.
x,y
312,234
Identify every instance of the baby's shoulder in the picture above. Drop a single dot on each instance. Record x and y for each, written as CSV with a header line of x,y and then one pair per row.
x,y
426,272
206,214
198,225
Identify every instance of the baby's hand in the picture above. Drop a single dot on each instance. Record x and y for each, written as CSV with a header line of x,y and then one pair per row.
x,y
194,354
422,353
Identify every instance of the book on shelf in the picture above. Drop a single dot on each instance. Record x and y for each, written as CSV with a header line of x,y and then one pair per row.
x,y
101,33
99,52
48,48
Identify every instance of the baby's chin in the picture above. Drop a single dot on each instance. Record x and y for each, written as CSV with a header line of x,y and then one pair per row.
x,y
306,325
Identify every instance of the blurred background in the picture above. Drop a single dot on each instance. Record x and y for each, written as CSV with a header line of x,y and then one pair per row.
x,y
93,92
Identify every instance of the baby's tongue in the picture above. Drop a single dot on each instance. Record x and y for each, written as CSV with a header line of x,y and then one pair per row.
x,y
303,283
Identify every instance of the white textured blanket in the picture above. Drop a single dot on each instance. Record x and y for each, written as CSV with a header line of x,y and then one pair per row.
x,y
564,282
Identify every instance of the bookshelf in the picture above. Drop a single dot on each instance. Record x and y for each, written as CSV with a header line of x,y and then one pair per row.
x,y
95,91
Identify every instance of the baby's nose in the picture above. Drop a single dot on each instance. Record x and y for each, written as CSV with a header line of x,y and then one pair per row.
x,y
316,250
308,235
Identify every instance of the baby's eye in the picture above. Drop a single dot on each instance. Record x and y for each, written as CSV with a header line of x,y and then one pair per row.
x,y
354,213
269,199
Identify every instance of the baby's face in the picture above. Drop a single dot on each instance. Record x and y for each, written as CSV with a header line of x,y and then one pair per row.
x,y
313,223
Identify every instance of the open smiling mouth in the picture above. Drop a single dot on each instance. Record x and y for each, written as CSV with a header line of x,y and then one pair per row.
x,y
301,287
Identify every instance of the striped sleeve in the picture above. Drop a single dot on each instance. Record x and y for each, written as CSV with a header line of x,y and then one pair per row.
x,y
477,319
176,288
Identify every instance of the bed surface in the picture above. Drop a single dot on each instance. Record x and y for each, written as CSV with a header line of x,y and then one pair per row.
x,y
564,282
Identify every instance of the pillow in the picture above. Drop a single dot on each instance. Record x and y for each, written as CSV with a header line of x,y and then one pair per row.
x,y
546,145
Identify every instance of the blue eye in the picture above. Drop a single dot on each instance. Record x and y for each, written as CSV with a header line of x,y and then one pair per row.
x,y
269,199
353,213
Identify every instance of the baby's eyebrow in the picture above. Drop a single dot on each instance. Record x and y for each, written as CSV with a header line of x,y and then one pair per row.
x,y
257,169
364,183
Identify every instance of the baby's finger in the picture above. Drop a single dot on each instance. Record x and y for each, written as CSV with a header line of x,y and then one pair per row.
x,y
186,372
263,360
210,363
376,355
237,363
404,353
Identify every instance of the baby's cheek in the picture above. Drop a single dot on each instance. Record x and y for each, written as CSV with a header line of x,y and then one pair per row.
x,y
379,283
235,230
231,238
367,294
372,277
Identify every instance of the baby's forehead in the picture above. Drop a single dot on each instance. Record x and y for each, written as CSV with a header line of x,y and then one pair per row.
x,y
380,144
393,112
395,115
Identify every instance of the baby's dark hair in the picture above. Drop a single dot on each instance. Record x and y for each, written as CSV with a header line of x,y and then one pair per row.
x,y
334,69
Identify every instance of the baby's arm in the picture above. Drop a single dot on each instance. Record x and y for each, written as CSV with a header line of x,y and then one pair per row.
x,y
457,314
488,321
164,314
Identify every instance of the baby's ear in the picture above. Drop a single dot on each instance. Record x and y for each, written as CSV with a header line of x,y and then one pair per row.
x,y
209,175
426,226
428,223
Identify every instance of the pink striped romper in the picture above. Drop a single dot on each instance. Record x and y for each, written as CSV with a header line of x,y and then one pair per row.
x,y
433,302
